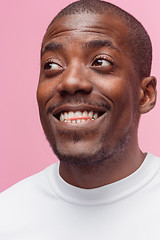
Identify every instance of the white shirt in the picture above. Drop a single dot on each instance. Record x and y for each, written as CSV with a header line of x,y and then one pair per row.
x,y
45,207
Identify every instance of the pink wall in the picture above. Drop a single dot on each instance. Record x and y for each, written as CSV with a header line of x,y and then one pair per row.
x,y
23,148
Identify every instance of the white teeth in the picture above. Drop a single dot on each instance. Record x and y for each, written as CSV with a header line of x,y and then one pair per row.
x,y
78,114
65,115
69,116
91,114
95,116
61,117
85,113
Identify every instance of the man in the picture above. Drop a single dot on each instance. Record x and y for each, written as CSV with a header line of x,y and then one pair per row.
x,y
94,84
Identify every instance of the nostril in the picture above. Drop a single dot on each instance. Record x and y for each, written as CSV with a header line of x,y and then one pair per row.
x,y
83,91
71,88
63,92
72,92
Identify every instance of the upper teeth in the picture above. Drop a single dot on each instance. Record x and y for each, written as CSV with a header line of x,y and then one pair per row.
x,y
77,117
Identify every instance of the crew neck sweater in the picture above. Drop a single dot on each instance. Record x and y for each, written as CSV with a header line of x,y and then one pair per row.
x,y
45,207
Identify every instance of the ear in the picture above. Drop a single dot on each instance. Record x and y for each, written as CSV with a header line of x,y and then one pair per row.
x,y
148,94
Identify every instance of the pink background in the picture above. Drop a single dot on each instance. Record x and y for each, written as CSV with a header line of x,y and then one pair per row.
x,y
23,147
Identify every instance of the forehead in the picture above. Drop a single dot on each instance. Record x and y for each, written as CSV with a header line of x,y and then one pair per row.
x,y
86,26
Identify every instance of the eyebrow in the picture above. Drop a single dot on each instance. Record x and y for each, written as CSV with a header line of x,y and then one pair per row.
x,y
52,47
100,43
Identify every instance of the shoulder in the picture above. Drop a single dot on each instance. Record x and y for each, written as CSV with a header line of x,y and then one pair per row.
x,y
22,204
28,188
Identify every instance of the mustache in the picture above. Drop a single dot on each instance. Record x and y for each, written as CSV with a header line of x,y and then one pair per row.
x,y
97,102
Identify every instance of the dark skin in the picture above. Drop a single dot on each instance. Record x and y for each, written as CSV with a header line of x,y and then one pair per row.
x,y
86,65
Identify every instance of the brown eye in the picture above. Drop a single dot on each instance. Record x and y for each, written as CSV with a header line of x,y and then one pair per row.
x,y
52,66
100,62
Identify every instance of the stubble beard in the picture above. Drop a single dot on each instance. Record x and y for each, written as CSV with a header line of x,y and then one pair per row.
x,y
99,157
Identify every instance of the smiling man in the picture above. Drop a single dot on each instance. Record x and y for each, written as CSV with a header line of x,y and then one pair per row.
x,y
94,84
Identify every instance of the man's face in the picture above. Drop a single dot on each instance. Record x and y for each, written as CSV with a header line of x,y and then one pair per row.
x,y
87,87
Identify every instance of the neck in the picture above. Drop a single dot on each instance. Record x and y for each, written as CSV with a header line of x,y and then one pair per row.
x,y
110,170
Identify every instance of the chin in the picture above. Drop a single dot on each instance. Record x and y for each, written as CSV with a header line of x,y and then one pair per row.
x,y
91,158
79,160
96,151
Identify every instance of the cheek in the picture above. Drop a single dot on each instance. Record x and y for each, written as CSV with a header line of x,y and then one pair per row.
x,y
115,88
119,91
45,91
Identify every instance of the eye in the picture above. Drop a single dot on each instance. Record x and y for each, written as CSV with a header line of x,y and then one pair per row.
x,y
101,62
52,66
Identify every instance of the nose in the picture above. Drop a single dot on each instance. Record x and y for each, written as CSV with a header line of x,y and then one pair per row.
x,y
73,81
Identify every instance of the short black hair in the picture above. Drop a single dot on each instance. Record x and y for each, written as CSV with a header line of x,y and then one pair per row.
x,y
139,40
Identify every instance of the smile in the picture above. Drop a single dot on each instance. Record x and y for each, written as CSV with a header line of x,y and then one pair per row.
x,y
77,114
78,117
